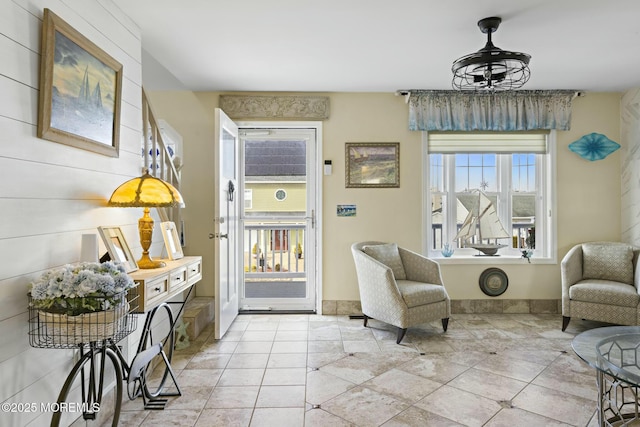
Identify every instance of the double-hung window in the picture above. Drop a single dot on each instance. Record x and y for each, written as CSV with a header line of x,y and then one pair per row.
x,y
515,171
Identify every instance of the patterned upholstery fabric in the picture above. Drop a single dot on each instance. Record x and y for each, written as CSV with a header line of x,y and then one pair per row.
x,y
417,315
402,303
417,293
605,292
607,261
598,298
388,255
604,313
419,268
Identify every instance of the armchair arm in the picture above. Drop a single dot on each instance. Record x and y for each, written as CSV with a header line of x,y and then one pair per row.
x,y
419,268
571,267
378,288
571,273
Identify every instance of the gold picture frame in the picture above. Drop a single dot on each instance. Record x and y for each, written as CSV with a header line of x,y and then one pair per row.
x,y
80,90
171,240
118,248
372,165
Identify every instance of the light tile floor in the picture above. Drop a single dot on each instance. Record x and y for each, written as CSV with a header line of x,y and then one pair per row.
x,y
307,370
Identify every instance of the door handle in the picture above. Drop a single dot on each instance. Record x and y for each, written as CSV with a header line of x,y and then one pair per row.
x,y
312,218
230,190
218,236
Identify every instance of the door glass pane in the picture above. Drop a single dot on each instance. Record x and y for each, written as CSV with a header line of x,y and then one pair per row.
x,y
276,174
276,180
228,155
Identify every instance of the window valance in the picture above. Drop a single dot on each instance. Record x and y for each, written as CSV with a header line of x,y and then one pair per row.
x,y
519,110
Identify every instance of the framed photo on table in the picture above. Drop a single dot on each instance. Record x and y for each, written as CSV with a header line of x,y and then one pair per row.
x,y
371,165
80,90
118,248
171,240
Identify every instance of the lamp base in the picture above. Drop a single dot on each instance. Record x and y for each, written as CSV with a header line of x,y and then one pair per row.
x,y
147,263
145,228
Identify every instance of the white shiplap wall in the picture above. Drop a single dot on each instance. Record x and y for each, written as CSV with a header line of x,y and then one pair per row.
x,y
50,194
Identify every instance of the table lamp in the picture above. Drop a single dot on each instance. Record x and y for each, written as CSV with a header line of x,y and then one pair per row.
x,y
146,192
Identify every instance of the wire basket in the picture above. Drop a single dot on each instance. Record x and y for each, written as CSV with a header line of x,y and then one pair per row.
x,y
55,330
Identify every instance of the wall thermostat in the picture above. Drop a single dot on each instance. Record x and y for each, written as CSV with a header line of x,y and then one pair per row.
x,y
327,167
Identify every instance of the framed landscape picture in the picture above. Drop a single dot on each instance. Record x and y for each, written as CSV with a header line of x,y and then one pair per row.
x,y
372,165
80,90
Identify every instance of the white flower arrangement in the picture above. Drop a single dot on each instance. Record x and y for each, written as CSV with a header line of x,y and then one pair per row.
x,y
80,288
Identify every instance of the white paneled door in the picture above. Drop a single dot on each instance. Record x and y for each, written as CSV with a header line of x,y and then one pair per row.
x,y
226,234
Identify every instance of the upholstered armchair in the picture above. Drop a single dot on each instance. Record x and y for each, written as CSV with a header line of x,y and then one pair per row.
x,y
399,287
600,282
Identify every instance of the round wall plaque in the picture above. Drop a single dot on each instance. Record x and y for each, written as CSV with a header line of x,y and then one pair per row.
x,y
493,282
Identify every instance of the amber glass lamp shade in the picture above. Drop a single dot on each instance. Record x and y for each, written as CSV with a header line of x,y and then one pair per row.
x,y
146,192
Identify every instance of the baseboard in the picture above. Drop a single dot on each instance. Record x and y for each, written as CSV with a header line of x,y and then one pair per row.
x,y
276,312
468,306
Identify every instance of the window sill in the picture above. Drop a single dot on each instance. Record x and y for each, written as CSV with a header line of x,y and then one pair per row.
x,y
493,260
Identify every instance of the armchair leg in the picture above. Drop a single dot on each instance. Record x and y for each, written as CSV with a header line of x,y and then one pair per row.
x,y
565,322
401,332
366,319
445,323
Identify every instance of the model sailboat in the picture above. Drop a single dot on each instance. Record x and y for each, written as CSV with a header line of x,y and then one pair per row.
x,y
489,226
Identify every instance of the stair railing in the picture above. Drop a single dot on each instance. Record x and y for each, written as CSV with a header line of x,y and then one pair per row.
x,y
157,159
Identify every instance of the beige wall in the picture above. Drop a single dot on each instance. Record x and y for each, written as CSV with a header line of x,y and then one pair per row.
x,y
588,193
192,116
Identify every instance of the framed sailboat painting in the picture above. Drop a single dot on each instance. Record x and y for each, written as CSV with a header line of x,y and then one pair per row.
x,y
80,90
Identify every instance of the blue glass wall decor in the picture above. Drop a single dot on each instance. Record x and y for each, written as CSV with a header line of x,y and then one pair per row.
x,y
593,146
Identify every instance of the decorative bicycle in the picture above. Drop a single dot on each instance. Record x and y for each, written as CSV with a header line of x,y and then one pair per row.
x,y
96,335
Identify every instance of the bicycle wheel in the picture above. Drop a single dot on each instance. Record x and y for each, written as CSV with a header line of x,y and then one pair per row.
x,y
92,380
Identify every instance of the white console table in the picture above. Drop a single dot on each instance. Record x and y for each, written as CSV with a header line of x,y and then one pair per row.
x,y
159,285
156,287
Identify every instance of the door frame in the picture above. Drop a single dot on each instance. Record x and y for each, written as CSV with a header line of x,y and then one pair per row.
x,y
317,125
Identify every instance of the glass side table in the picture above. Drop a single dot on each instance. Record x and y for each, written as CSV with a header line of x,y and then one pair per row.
x,y
615,354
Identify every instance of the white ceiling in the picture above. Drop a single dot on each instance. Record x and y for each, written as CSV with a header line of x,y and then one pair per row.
x,y
379,45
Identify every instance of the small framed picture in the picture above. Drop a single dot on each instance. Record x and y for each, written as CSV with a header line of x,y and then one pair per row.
x,y
118,248
346,210
371,165
171,240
